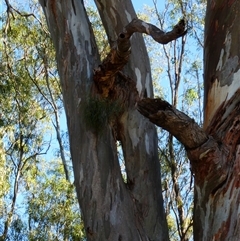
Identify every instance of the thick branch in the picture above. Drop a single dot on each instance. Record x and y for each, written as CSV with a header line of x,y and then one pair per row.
x,y
185,129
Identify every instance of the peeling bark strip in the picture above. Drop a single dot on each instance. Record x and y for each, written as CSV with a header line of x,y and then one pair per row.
x,y
185,129
115,61
104,75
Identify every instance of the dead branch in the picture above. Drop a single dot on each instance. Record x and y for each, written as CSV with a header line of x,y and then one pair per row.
x,y
204,152
157,34
185,129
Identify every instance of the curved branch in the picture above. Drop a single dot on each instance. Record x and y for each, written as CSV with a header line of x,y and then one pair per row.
x,y
119,54
139,26
185,129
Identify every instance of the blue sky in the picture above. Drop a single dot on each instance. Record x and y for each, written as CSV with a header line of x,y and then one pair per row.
x,y
138,4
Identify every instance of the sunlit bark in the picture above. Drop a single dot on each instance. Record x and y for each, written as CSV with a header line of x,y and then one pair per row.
x,y
217,207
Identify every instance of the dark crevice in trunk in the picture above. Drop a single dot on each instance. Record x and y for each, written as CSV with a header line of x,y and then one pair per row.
x,y
220,186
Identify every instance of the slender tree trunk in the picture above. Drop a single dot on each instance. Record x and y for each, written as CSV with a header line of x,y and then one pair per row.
x,y
56,122
138,137
10,214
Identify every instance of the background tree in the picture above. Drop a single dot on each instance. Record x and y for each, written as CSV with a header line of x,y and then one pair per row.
x,y
53,213
28,109
181,84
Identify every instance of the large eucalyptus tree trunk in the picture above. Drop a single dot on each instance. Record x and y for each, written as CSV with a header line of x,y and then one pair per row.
x,y
111,208
214,151
217,192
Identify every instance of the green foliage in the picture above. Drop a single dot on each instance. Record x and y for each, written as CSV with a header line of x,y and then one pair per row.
x,y
17,230
4,179
99,112
172,228
34,204
190,95
52,206
99,32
